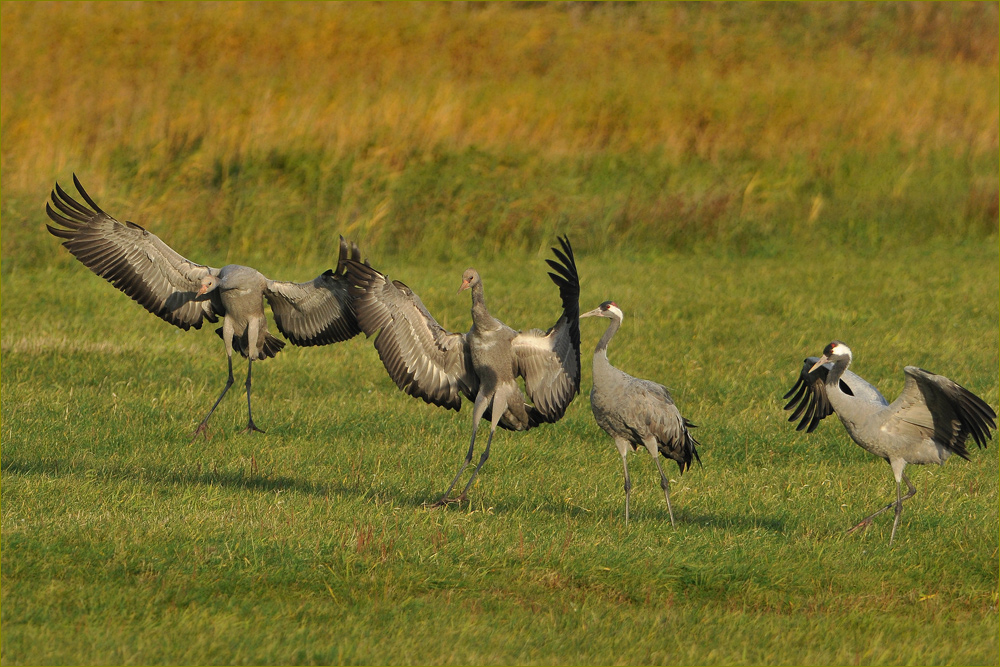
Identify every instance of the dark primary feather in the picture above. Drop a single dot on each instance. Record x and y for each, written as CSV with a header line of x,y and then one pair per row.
x,y
134,260
809,398
957,412
271,347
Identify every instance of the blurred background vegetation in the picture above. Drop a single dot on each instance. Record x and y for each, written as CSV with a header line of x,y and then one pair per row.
x,y
241,131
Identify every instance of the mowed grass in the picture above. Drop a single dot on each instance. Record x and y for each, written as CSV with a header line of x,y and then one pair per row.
x,y
124,542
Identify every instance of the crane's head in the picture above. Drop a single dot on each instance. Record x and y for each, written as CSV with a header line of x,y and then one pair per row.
x,y
607,309
469,279
208,283
835,351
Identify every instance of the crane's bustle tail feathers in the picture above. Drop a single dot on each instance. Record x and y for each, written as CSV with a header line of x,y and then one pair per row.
x,y
271,346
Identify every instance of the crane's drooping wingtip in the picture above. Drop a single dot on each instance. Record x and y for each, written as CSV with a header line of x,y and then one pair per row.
x,y
807,401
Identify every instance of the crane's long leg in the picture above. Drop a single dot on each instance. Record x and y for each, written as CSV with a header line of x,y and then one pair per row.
x,y
653,447
251,427
628,485
477,413
665,485
898,504
499,406
623,446
203,426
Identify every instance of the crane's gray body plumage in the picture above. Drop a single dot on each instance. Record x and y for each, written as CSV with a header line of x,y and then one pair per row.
x,y
932,418
186,294
484,364
637,413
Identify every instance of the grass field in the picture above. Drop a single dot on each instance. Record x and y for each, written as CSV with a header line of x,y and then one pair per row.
x,y
747,181
126,543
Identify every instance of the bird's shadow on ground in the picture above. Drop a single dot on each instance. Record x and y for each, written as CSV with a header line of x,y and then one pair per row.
x,y
186,475
739,522
559,507
417,499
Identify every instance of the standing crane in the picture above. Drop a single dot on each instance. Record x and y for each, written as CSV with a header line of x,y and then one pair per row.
x,y
930,420
186,294
637,412
440,367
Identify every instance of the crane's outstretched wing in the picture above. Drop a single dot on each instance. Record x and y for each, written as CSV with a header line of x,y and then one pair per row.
x,y
809,394
421,357
941,410
318,312
134,260
549,361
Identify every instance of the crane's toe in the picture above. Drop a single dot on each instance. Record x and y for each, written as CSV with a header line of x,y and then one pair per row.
x,y
252,428
445,501
864,523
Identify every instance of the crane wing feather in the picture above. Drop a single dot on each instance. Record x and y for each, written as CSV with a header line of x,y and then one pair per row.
x,y
318,312
809,401
940,409
421,357
133,259
549,361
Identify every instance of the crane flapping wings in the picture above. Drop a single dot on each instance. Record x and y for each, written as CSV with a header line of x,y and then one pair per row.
x,y
809,398
942,410
422,358
318,312
134,260
549,361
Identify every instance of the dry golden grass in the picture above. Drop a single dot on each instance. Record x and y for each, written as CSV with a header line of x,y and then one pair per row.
x,y
162,104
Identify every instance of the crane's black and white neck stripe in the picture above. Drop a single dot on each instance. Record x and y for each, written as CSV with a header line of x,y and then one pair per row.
x,y
610,310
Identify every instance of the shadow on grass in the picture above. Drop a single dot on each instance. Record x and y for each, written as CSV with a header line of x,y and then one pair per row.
x,y
185,476
423,498
740,522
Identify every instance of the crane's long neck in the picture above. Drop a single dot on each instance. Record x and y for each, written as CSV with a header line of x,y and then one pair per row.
x,y
601,363
609,333
480,315
837,372
850,410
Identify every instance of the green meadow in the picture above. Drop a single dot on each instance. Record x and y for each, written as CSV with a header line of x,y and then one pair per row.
x,y
747,181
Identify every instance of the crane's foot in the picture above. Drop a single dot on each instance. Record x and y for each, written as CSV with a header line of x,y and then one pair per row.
x,y
252,428
867,521
202,430
445,501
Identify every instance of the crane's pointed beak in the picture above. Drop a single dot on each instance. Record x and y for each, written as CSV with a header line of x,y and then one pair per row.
x,y
202,289
822,360
465,286
596,312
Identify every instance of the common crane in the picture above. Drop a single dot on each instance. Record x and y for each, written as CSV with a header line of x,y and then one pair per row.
x,y
185,294
930,420
637,412
440,367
